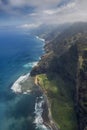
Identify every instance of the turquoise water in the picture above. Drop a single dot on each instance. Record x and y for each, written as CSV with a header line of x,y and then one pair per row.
x,y
19,51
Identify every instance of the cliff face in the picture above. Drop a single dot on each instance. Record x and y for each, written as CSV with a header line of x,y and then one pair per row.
x,y
82,90
66,56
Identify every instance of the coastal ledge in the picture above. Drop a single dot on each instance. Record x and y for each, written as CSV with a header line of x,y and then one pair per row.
x,y
59,111
47,115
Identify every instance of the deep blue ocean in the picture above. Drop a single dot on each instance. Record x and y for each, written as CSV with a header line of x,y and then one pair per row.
x,y
19,51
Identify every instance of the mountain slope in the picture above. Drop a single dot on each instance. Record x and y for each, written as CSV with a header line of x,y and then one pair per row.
x,y
65,64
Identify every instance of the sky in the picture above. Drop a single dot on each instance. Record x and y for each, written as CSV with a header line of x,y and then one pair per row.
x,y
33,13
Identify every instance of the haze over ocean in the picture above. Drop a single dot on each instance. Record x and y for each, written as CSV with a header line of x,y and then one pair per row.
x,y
19,51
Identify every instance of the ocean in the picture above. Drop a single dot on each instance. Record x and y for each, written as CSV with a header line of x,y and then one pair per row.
x,y
19,109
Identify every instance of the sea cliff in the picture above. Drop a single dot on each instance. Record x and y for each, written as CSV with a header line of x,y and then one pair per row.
x,y
60,76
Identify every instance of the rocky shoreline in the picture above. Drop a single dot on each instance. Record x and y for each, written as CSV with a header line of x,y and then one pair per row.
x,y
47,115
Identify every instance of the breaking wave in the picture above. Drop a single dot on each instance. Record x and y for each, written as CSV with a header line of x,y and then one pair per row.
x,y
41,39
38,114
16,87
30,64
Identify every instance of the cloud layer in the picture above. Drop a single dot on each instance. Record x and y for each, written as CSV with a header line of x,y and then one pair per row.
x,y
44,11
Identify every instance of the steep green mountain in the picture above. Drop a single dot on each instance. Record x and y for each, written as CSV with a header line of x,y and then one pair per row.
x,y
64,66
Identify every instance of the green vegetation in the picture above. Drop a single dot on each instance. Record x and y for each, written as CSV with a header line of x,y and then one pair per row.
x,y
65,82
61,102
85,49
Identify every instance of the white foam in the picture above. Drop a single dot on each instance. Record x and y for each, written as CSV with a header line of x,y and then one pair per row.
x,y
43,40
30,64
39,58
28,91
16,87
38,114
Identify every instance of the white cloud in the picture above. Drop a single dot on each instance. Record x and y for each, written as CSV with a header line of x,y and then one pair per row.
x,y
71,12
29,26
37,3
48,11
16,2
61,9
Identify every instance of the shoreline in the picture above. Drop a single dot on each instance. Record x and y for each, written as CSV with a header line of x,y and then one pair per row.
x,y
41,39
50,123
47,115
16,86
